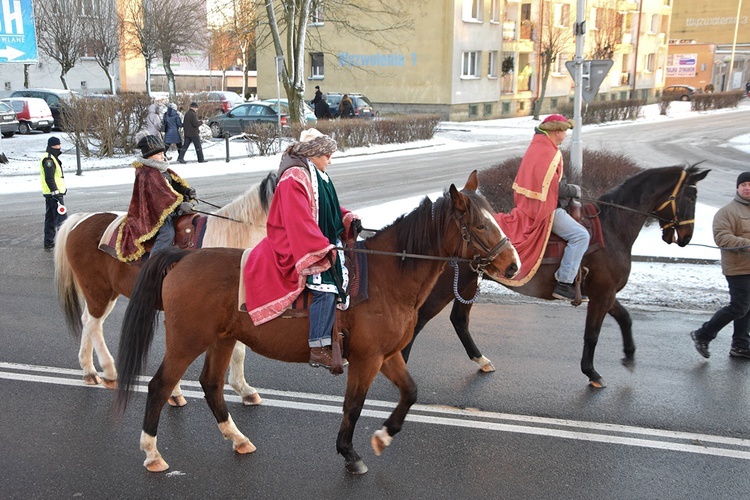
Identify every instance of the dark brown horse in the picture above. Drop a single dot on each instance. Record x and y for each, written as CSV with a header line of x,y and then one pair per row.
x,y
89,281
667,194
207,319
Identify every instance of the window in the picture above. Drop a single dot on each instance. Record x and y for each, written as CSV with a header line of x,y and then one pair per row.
x,y
650,60
492,67
525,12
473,110
561,15
495,11
470,64
562,58
506,107
473,10
316,65
316,13
654,28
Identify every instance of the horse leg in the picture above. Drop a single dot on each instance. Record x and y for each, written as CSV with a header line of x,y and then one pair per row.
x,y
249,394
358,381
460,320
622,316
167,377
395,370
212,381
597,309
92,336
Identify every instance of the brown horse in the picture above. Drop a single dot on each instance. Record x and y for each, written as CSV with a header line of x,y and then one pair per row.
x,y
83,273
667,194
206,318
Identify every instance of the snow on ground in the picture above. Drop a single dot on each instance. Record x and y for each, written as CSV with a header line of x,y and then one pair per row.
x,y
673,285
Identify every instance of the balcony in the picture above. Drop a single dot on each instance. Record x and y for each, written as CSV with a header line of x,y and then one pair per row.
x,y
509,30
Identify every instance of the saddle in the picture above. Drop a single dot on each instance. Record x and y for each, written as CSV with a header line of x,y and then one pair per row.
x,y
588,216
189,232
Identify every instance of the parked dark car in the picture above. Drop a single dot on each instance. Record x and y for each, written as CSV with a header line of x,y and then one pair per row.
x,y
55,99
362,105
240,117
219,101
8,122
32,114
679,92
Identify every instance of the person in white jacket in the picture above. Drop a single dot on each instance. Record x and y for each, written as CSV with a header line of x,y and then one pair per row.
x,y
153,121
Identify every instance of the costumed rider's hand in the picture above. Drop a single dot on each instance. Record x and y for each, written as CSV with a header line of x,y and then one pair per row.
x,y
186,207
191,194
577,189
357,226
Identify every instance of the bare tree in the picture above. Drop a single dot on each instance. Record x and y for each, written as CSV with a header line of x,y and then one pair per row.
x,y
608,32
222,51
554,36
377,21
178,24
139,33
103,42
238,19
61,32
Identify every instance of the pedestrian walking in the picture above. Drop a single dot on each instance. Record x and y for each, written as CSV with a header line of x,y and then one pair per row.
x,y
191,126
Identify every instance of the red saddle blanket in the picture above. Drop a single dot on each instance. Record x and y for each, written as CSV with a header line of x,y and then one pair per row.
x,y
590,220
189,232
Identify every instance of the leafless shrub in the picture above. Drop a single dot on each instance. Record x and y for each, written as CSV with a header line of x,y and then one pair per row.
x,y
606,111
716,100
355,133
262,135
602,170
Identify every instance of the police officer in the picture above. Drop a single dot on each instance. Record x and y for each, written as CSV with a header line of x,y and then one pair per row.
x,y
53,189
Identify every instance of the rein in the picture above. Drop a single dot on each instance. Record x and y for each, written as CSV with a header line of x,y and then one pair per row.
x,y
217,215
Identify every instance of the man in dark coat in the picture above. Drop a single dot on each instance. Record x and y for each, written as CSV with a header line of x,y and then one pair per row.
x,y
320,105
191,125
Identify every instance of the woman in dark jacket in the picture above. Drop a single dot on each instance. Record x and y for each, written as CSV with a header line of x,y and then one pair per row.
x,y
346,107
172,124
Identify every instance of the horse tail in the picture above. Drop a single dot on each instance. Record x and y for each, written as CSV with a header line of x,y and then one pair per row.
x,y
71,301
140,320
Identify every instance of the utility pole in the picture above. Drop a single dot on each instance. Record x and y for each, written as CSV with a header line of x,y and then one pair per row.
x,y
576,147
734,43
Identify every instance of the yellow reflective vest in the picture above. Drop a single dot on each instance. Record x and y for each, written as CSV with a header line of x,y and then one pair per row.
x,y
59,178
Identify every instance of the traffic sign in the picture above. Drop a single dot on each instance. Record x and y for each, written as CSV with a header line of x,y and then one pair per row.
x,y
594,72
17,32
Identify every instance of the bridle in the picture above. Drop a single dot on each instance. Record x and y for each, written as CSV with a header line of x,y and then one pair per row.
x,y
671,222
469,238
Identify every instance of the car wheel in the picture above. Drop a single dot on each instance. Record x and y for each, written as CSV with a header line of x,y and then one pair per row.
x,y
215,130
684,98
24,128
8,134
47,130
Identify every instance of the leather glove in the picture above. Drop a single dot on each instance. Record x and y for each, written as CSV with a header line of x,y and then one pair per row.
x,y
191,194
357,226
186,207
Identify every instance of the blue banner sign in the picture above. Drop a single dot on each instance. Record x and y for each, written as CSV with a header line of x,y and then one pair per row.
x,y
17,32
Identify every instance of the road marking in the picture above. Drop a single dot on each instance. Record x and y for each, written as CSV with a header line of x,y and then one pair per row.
x,y
644,437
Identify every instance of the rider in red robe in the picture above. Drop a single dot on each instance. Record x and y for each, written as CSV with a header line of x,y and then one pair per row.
x,y
305,223
540,194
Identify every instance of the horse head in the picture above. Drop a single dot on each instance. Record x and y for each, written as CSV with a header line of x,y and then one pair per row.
x,y
482,240
677,214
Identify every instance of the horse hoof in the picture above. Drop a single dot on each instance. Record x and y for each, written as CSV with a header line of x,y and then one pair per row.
x,y
485,365
380,440
158,465
177,401
91,379
252,400
246,447
597,384
109,384
629,363
356,468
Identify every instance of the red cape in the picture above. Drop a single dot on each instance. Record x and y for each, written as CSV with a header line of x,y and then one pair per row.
x,y
152,201
536,187
278,267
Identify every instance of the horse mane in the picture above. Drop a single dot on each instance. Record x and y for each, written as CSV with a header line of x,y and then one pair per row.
x,y
251,209
645,184
420,232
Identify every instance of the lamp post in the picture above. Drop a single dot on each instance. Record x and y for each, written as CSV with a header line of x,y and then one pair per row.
x,y
734,42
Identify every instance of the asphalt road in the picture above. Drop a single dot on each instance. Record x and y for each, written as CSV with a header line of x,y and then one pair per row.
x,y
675,427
